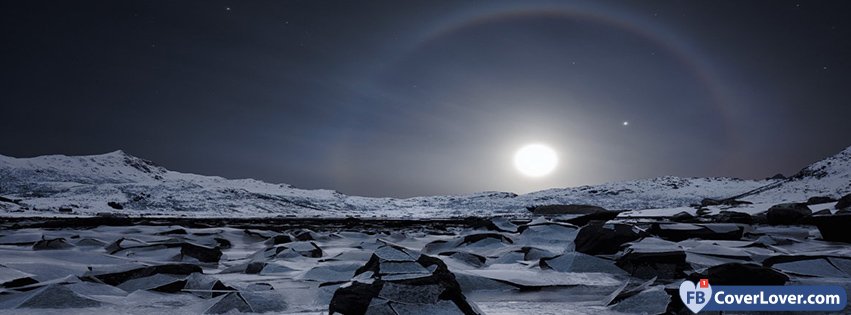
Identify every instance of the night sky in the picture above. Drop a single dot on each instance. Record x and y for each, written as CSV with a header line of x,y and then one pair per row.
x,y
404,98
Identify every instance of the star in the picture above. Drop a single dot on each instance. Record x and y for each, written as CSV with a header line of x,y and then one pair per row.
x,y
227,8
626,123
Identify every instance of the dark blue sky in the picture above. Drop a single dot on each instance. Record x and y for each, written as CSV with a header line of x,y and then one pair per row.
x,y
402,98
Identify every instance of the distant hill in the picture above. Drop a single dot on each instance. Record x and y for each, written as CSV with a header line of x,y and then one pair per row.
x,y
120,183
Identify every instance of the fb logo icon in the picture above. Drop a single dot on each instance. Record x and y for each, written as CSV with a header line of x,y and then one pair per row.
x,y
695,297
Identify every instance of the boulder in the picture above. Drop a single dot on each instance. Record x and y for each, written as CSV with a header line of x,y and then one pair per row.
x,y
727,216
578,215
158,282
604,239
844,202
294,249
683,217
819,200
501,224
116,277
709,231
833,227
279,239
565,209
787,213
397,280
305,235
202,253
10,278
722,202
652,257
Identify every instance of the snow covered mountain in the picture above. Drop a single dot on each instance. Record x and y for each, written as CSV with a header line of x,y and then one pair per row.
x,y
119,183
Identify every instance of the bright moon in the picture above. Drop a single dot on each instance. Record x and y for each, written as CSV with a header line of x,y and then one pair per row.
x,y
535,160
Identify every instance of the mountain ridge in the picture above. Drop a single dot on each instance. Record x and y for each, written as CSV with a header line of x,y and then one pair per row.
x,y
86,185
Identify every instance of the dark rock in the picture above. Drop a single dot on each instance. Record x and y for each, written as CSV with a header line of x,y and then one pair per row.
x,y
156,282
9,200
354,299
11,278
565,209
396,280
604,239
20,282
279,239
834,228
710,202
305,235
723,202
726,216
202,253
56,243
787,213
306,249
819,200
255,267
760,218
741,274
683,217
822,212
222,243
65,210
709,231
652,257
118,277
501,224
777,176
584,219
258,234
173,232
115,205
844,202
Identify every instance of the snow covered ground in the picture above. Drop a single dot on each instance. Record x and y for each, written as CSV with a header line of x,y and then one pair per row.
x,y
86,185
507,262
541,267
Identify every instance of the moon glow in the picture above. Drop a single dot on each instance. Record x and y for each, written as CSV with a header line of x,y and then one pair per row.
x,y
535,160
